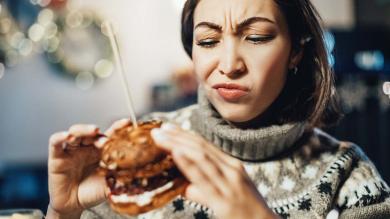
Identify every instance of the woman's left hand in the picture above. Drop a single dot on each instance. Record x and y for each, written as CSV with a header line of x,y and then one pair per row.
x,y
217,180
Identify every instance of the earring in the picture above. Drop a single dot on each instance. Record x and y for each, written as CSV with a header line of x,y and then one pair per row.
x,y
295,70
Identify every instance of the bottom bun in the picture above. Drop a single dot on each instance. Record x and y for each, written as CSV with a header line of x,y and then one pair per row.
x,y
159,200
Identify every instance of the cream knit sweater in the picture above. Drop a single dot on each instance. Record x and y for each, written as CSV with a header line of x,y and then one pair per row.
x,y
301,172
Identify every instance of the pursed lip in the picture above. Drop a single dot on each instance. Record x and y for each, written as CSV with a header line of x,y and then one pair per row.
x,y
231,86
231,92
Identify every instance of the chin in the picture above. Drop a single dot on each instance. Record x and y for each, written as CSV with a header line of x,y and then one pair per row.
x,y
236,114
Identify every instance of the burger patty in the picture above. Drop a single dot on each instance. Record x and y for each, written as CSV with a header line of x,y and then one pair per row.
x,y
140,185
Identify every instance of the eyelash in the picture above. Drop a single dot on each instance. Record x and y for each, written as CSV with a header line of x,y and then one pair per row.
x,y
207,43
255,39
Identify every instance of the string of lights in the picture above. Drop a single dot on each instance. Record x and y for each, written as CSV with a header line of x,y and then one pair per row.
x,y
71,40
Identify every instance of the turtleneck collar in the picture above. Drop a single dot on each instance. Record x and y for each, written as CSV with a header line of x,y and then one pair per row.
x,y
246,144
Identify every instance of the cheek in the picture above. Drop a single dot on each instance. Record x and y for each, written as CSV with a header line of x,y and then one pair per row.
x,y
268,68
204,64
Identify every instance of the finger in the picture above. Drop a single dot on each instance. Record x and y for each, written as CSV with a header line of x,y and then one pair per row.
x,y
117,125
185,155
179,133
195,174
212,168
194,193
56,142
88,141
83,130
92,190
217,167
171,141
171,131
100,142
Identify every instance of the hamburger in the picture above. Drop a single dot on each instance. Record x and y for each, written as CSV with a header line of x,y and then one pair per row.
x,y
140,176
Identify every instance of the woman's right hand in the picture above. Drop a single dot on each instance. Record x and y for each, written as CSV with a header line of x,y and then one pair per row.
x,y
74,184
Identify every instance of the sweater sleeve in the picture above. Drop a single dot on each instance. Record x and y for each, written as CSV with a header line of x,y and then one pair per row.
x,y
364,193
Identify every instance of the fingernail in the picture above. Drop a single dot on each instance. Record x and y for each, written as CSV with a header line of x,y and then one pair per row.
x,y
158,134
168,126
100,143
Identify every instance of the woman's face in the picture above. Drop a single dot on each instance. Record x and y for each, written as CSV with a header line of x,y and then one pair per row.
x,y
241,54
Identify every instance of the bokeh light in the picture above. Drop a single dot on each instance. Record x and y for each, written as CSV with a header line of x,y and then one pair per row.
x,y
42,3
36,32
5,25
84,80
15,39
2,70
74,19
51,30
25,47
104,68
370,60
386,88
51,45
45,16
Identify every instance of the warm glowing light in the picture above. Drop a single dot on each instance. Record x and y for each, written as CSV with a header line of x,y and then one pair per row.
x,y
5,25
386,88
51,30
16,38
51,45
104,68
35,33
74,19
45,16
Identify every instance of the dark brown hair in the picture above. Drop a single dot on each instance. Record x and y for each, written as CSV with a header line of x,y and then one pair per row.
x,y
309,95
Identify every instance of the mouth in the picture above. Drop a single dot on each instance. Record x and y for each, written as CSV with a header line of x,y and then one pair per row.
x,y
231,92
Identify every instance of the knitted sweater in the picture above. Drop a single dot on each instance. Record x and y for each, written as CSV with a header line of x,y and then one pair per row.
x,y
300,172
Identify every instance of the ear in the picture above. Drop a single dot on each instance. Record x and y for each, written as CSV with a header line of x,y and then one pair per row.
x,y
295,57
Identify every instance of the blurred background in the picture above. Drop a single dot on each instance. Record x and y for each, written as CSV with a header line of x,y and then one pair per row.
x,y
56,69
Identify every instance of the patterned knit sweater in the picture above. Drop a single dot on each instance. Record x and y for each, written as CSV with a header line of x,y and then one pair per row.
x,y
300,172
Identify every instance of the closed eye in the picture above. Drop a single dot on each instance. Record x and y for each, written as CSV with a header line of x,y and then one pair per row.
x,y
256,39
207,43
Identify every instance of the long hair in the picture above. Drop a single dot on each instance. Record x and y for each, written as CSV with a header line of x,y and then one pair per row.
x,y
309,95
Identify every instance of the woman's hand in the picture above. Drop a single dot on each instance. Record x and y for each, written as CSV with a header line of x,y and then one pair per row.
x,y
217,180
74,184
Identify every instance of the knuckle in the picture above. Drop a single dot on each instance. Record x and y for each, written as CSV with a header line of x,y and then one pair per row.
x,y
235,176
201,155
54,138
83,128
237,164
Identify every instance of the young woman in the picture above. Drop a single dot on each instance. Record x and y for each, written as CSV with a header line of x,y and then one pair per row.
x,y
251,147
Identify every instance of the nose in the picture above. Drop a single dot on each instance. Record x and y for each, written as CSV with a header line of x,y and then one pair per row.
x,y
231,63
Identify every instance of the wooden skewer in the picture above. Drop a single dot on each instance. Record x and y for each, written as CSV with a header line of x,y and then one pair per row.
x,y
120,66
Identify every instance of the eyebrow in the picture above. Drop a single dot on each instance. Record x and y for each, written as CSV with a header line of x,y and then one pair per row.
x,y
240,26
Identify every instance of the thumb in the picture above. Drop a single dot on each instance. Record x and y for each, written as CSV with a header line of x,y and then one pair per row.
x,y
92,190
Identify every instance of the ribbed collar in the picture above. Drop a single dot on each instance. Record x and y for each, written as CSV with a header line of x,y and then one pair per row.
x,y
245,144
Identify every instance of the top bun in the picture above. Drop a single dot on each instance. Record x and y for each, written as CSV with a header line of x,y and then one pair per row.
x,y
132,148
